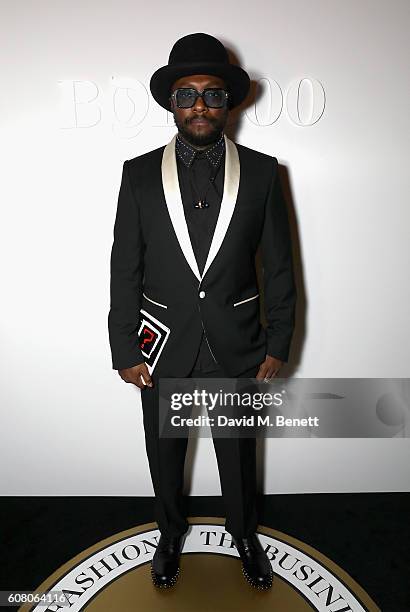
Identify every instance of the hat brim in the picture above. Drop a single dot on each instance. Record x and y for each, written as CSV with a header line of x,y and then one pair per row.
x,y
237,80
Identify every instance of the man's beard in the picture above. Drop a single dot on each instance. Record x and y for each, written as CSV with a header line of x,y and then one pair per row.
x,y
198,139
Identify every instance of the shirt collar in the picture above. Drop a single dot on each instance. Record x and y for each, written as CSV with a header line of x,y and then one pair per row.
x,y
187,153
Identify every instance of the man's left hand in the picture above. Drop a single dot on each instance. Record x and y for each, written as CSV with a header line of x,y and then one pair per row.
x,y
269,368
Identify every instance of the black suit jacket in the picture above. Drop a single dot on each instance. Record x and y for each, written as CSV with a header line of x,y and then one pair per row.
x,y
153,266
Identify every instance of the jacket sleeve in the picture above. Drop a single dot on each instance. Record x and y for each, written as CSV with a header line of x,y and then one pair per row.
x,y
278,277
127,263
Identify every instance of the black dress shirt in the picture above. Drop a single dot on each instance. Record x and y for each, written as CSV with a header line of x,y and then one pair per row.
x,y
201,177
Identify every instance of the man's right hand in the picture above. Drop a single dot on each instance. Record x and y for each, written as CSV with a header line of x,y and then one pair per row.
x,y
136,375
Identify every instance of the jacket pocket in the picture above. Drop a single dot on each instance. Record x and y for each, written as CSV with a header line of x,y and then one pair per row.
x,y
253,297
154,302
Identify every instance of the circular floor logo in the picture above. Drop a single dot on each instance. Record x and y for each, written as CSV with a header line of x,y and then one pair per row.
x,y
115,575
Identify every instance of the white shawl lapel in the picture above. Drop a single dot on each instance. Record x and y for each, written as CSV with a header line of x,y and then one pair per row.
x,y
175,206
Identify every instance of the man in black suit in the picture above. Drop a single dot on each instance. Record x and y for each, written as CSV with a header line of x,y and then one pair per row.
x,y
184,296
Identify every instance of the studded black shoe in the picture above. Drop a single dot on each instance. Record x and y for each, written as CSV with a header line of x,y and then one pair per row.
x,y
256,566
165,562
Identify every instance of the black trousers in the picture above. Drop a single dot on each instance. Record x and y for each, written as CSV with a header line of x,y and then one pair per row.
x,y
236,459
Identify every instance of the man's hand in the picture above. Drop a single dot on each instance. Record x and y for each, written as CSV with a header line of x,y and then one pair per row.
x,y
136,375
269,368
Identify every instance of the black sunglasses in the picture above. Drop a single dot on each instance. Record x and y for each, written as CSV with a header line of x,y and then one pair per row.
x,y
185,97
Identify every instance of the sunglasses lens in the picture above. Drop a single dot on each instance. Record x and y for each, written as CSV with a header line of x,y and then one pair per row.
x,y
185,98
214,98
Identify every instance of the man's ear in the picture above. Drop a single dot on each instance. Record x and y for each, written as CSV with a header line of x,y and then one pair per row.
x,y
227,88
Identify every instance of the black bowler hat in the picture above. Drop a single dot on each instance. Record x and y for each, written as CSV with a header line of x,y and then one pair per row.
x,y
199,53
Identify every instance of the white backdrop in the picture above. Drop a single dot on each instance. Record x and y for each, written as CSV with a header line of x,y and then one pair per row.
x,y
331,105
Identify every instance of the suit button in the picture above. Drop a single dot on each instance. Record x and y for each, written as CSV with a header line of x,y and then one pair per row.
x,y
202,294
